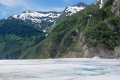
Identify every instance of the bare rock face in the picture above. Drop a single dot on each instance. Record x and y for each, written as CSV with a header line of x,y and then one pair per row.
x,y
83,50
117,52
116,5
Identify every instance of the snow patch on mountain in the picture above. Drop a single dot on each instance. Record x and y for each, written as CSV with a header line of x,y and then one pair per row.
x,y
101,4
37,17
44,30
70,10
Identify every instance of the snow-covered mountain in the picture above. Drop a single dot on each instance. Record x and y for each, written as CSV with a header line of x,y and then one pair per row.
x,y
40,20
43,20
37,17
70,10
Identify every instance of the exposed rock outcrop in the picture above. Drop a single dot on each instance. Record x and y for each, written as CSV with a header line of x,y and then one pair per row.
x,y
117,52
83,50
116,7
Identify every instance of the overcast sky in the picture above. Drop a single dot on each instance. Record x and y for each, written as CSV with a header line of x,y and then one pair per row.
x,y
11,7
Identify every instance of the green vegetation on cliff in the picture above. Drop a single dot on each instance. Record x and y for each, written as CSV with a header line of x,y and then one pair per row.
x,y
101,25
16,36
104,27
64,36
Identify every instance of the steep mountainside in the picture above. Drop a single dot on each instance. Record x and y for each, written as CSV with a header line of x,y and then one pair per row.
x,y
16,36
101,35
64,36
94,31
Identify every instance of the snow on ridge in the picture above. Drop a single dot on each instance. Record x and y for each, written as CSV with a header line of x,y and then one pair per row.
x,y
15,16
44,30
101,4
36,16
70,10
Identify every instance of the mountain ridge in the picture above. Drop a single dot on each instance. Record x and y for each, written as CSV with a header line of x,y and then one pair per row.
x,y
39,18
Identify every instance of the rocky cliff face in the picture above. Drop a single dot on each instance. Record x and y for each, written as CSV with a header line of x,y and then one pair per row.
x,y
83,50
116,7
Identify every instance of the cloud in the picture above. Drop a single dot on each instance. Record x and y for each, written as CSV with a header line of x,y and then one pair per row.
x,y
10,7
20,4
3,12
10,3
67,0
16,4
56,9
28,5
59,9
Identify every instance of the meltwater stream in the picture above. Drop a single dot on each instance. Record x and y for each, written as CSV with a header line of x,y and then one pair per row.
x,y
60,69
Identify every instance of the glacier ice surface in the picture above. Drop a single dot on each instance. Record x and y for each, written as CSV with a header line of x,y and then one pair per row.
x,y
60,69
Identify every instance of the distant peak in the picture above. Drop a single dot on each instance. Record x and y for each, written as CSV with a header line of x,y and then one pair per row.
x,y
48,12
80,4
28,11
70,10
